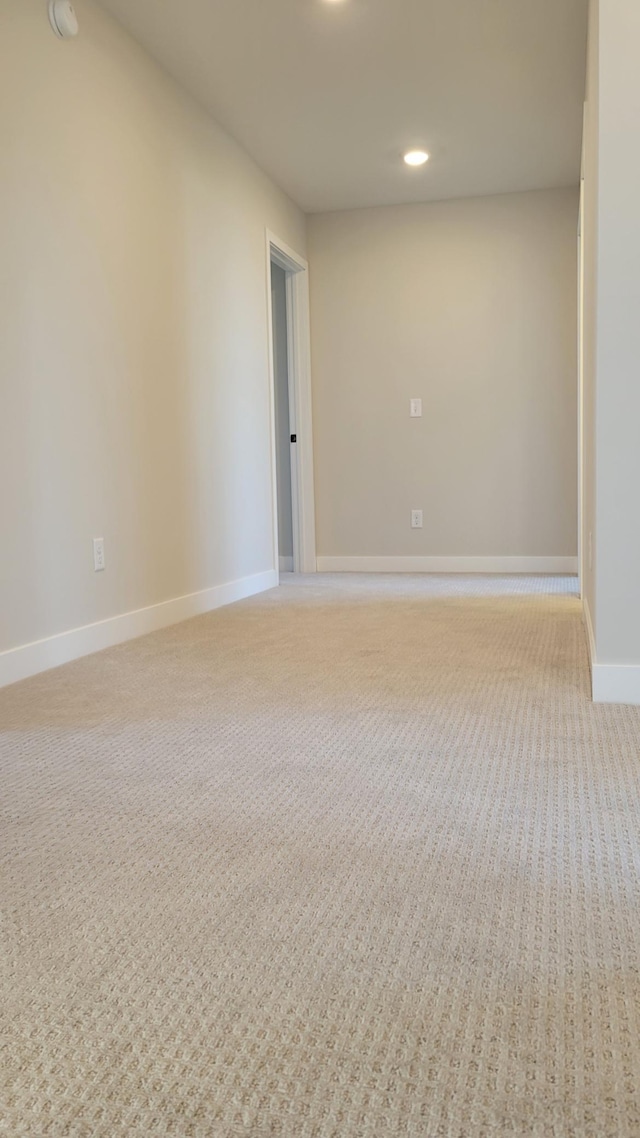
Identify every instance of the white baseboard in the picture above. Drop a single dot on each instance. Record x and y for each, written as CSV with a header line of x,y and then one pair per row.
x,y
30,659
591,640
286,564
616,683
610,683
558,565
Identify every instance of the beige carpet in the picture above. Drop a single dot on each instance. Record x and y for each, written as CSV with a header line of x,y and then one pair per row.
x,y
356,858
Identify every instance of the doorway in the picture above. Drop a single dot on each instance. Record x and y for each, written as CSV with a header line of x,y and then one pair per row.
x,y
285,436
291,425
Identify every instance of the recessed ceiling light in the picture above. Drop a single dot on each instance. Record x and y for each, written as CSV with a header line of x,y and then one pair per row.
x,y
416,157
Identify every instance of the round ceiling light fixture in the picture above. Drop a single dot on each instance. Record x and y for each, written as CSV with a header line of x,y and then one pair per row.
x,y
63,19
416,157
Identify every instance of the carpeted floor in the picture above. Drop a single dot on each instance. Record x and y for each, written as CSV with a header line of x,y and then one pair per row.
x,y
354,859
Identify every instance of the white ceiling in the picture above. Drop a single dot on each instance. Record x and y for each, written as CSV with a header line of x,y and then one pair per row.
x,y
327,96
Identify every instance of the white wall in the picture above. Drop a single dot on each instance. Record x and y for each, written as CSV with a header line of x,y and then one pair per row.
x,y
590,159
134,352
472,306
612,348
618,336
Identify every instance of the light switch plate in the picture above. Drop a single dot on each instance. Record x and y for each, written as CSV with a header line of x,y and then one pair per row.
x,y
416,408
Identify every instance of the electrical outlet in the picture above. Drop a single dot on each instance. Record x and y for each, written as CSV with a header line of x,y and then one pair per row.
x,y
416,519
98,554
416,409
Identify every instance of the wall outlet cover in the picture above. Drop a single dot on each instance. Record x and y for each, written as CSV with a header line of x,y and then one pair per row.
x,y
98,554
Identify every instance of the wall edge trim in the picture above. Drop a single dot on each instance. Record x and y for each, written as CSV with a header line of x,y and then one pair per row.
x,y
616,683
30,659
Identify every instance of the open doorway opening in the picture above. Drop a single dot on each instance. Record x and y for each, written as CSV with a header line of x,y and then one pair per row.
x,y
285,436
292,432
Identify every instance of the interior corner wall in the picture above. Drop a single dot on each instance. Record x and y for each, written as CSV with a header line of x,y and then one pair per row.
x,y
470,305
134,377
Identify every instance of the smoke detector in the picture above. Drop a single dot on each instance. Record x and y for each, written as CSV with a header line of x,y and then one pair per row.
x,y
63,19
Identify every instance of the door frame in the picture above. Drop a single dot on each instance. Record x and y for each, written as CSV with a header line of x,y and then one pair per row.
x,y
581,459
300,407
583,552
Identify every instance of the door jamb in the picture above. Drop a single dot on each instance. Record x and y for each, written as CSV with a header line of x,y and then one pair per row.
x,y
582,544
300,409
581,470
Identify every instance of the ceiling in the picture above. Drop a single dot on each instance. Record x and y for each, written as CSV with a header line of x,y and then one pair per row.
x,y
326,97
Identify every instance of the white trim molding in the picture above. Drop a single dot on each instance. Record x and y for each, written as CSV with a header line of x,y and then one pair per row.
x,y
300,403
565,566
591,640
30,659
616,683
610,683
